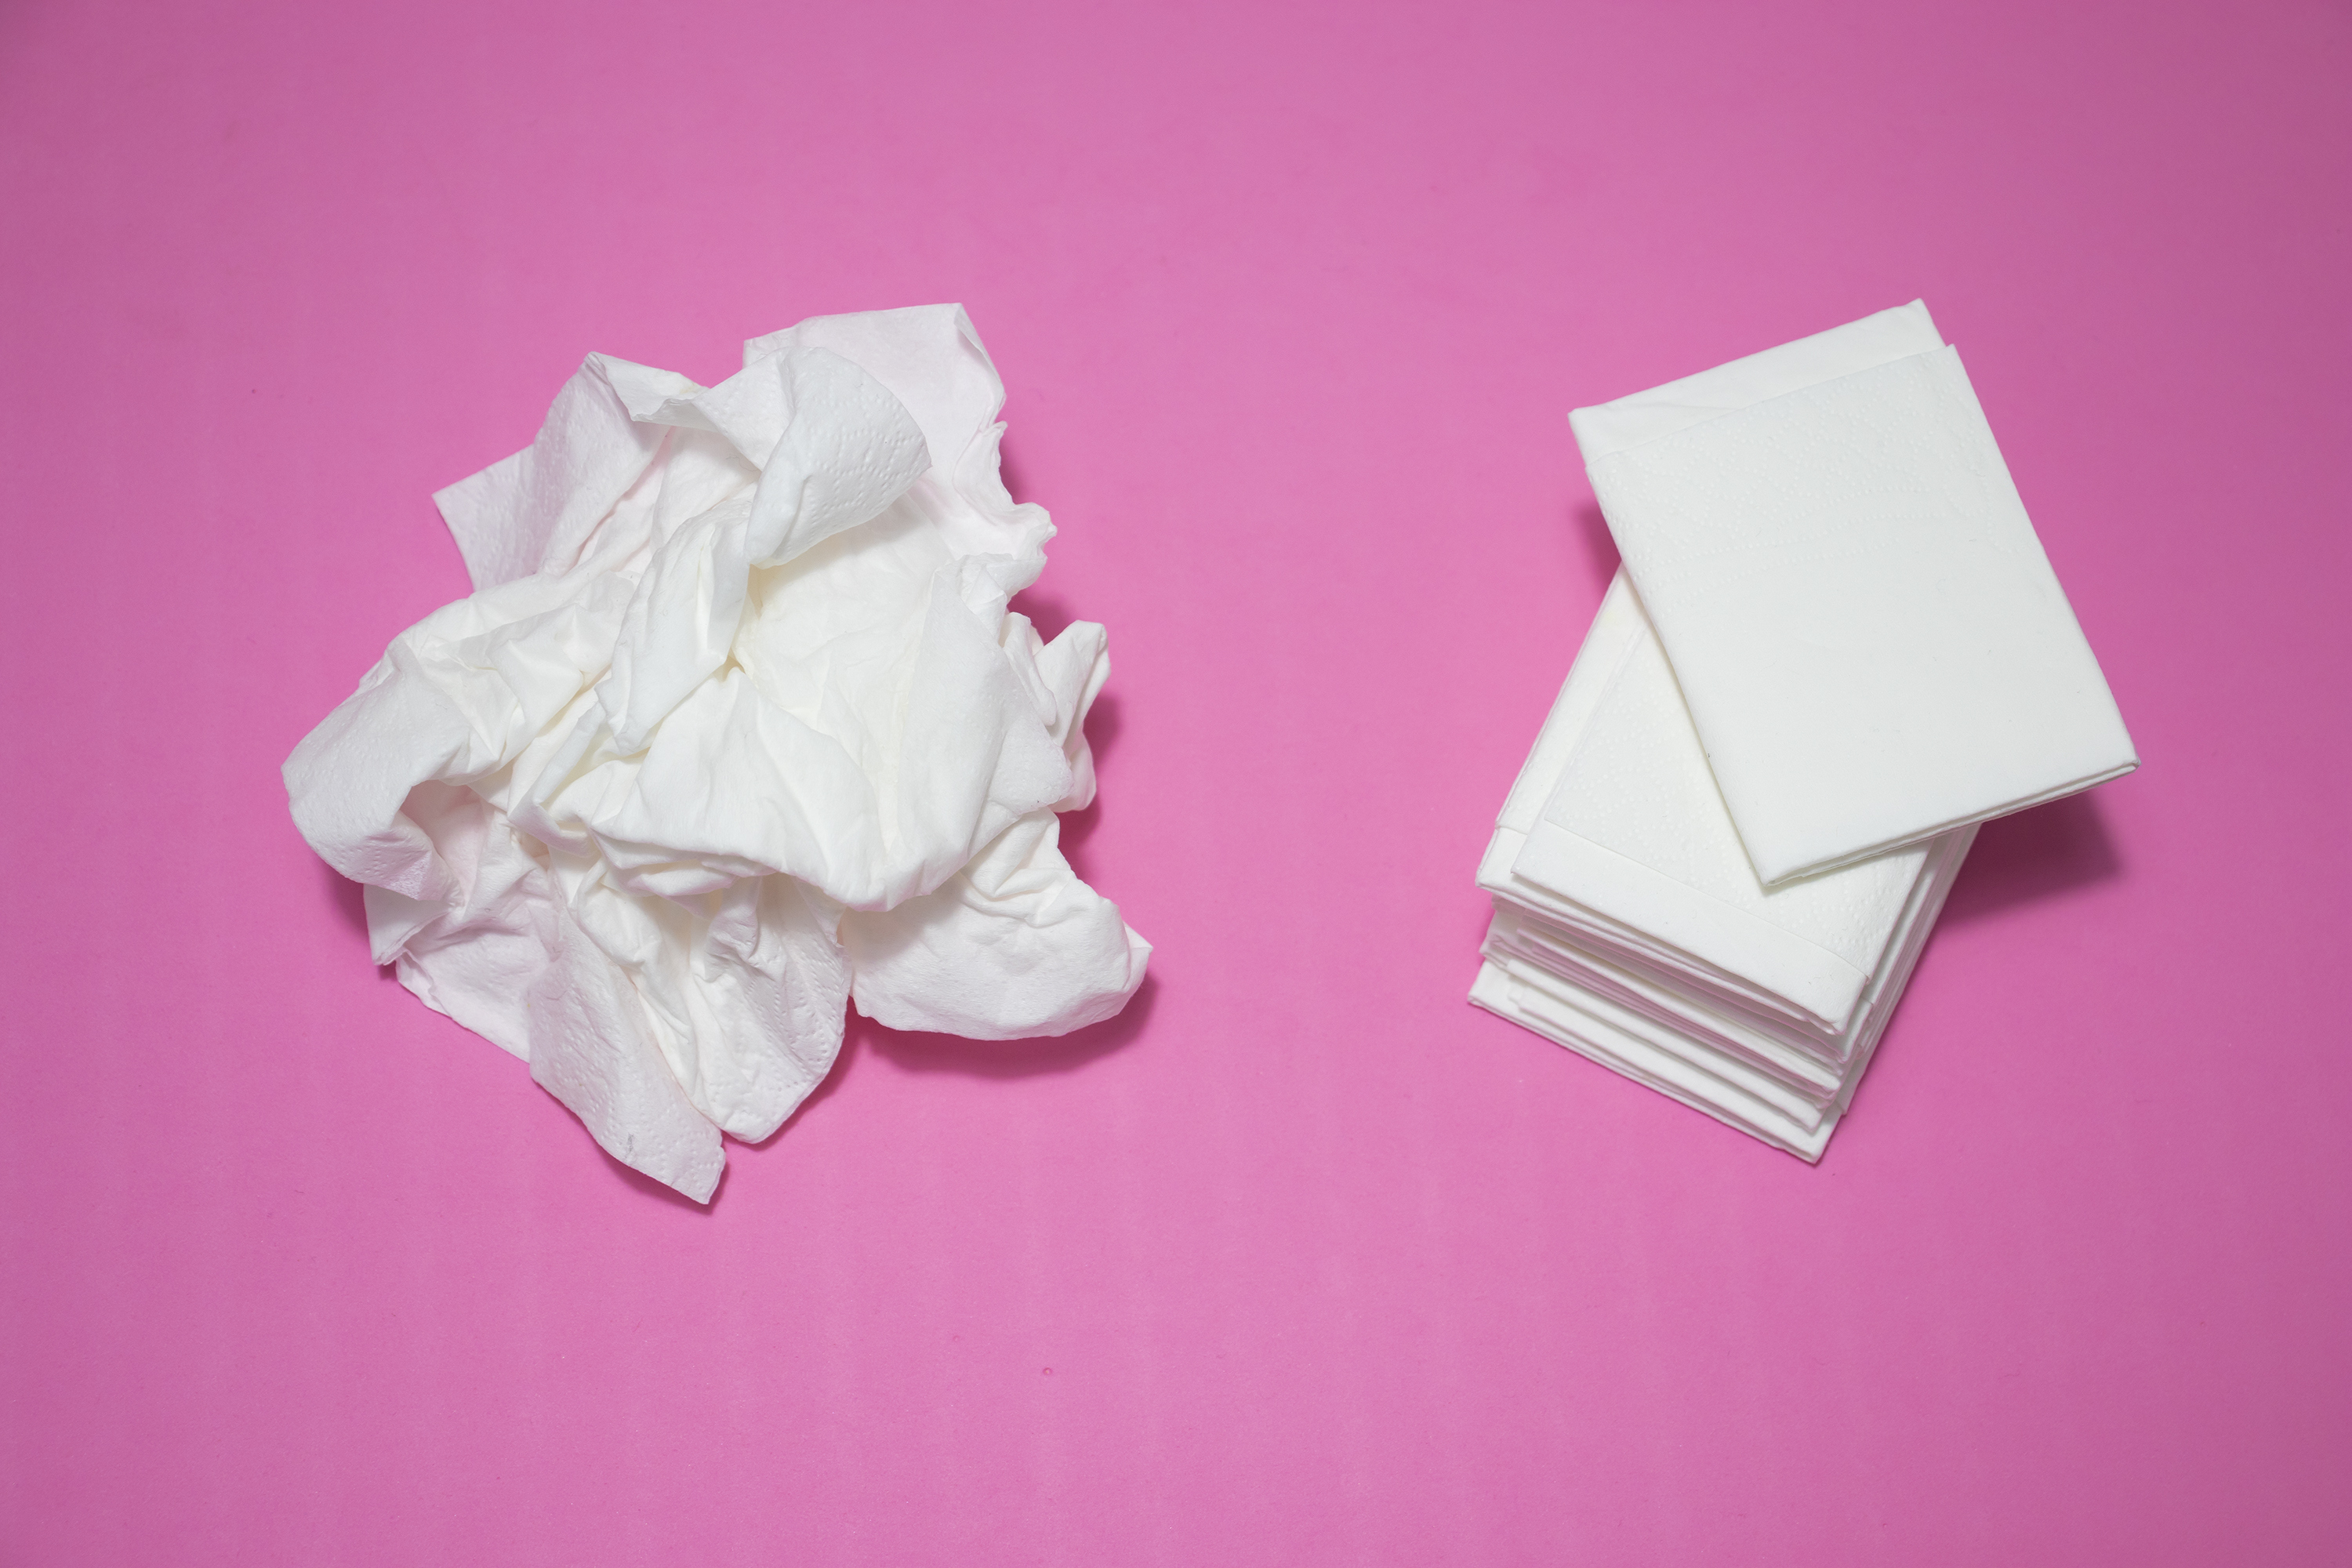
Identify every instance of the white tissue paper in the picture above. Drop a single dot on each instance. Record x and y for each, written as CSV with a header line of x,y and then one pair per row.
x,y
736,727
1864,625
1629,926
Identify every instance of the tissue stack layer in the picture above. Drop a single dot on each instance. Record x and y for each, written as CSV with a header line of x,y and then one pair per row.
x,y
737,727
1629,926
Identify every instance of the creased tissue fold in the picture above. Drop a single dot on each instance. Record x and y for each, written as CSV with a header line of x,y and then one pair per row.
x,y
737,726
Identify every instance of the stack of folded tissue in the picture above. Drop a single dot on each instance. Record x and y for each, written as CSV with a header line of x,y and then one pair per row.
x,y
736,728
1835,649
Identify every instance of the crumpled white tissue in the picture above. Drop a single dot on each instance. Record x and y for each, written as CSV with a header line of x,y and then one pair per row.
x,y
736,726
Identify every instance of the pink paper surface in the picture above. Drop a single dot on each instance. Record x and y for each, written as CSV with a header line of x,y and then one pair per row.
x,y
1303,1261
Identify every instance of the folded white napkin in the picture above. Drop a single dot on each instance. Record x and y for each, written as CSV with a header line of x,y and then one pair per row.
x,y
1615,828
1631,926
736,726
1865,628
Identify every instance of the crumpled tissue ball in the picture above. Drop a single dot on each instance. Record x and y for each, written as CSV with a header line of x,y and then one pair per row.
x,y
735,729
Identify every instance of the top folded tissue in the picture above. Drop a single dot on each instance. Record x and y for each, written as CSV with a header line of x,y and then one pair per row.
x,y
736,727
1861,620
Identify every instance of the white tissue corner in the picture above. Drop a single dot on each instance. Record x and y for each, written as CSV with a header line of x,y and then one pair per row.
x,y
736,726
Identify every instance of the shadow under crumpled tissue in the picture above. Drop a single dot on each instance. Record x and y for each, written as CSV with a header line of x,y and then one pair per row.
x,y
930,1053
922,1053
661,1190
349,898
1001,1058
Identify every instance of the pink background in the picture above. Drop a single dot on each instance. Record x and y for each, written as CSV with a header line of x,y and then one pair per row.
x,y
1303,1261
